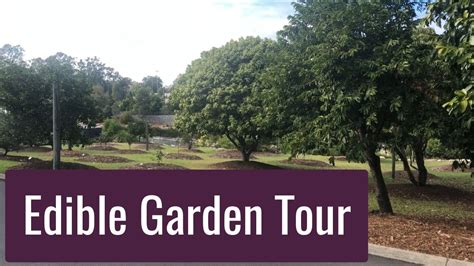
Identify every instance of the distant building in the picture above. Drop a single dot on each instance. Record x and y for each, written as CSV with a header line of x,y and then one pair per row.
x,y
160,121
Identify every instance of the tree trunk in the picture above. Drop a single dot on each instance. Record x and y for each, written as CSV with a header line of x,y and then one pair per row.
x,y
419,150
406,165
147,137
70,145
381,192
246,155
5,152
190,145
394,161
56,130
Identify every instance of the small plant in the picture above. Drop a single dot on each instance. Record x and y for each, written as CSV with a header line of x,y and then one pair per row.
x,y
159,155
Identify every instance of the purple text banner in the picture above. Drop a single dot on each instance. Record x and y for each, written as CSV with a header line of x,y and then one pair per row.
x,y
186,216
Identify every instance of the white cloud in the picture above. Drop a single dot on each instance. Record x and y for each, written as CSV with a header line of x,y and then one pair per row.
x,y
136,37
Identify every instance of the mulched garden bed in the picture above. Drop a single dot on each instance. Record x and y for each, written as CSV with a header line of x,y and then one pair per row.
x,y
36,149
448,168
240,165
313,163
431,192
151,146
230,154
130,152
154,166
402,175
104,159
47,165
182,156
21,159
437,237
266,154
193,151
67,153
101,148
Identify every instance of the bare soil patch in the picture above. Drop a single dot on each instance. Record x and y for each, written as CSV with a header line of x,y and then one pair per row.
x,y
340,158
155,166
101,148
104,159
48,165
67,153
230,154
240,165
313,163
182,156
443,238
22,159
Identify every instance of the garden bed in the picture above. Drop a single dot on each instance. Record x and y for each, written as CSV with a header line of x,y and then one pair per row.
x,y
21,159
313,163
402,175
154,166
67,153
444,238
240,165
230,154
151,146
448,168
48,165
102,148
182,156
104,159
266,154
125,152
36,149
193,151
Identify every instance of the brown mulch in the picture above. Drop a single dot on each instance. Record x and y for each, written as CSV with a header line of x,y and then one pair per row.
x,y
36,149
404,176
104,159
314,163
431,192
101,148
240,165
67,153
182,156
266,154
447,168
154,166
48,165
229,154
151,146
21,159
129,152
194,151
443,238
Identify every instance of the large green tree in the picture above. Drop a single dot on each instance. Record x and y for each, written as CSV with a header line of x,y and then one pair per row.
x,y
76,104
24,96
456,47
221,94
349,51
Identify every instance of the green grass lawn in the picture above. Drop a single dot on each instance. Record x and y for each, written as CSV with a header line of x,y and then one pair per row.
x,y
449,196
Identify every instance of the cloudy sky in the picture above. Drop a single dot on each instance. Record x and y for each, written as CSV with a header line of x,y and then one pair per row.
x,y
137,37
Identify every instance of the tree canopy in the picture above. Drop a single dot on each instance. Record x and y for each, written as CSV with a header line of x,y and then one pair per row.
x,y
222,93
